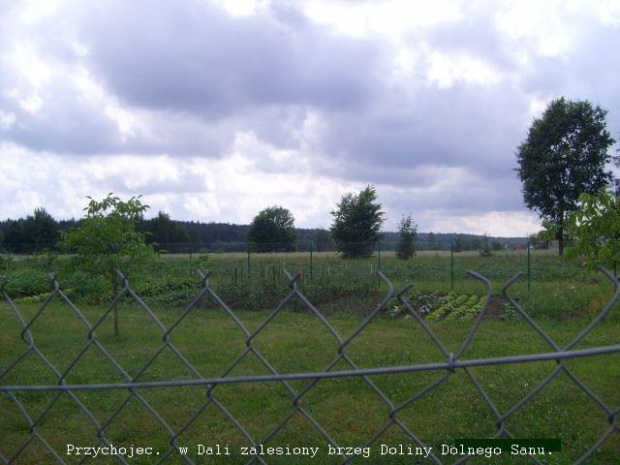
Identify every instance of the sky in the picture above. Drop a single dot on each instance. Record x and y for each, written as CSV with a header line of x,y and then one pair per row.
x,y
213,110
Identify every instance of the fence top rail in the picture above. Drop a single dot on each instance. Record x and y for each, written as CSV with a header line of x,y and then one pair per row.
x,y
451,365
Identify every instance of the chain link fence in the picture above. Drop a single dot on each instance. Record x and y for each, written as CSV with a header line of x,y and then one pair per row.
x,y
133,388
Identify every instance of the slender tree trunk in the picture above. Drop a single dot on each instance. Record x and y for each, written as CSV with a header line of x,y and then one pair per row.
x,y
115,309
561,235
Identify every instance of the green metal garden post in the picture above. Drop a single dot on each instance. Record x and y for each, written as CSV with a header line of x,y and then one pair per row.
x,y
452,266
311,261
248,260
379,256
528,266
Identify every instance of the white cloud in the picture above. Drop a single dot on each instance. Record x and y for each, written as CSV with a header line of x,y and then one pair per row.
x,y
391,18
233,189
241,8
7,119
609,11
446,69
31,104
493,223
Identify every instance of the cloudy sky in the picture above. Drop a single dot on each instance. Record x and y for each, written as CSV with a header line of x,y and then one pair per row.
x,y
216,109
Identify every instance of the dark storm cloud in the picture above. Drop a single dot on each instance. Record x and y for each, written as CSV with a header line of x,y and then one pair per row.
x,y
65,124
197,73
475,36
60,125
194,57
587,71
477,127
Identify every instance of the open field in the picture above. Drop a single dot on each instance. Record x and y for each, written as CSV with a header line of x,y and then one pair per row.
x,y
562,297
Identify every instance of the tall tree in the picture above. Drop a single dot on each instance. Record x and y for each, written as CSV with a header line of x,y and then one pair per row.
x,y
34,233
43,229
616,183
485,248
193,236
407,232
458,244
165,233
432,242
273,230
357,223
564,156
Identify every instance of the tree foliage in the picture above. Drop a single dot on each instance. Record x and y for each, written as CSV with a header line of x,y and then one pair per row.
x,y
324,241
485,249
35,233
106,240
357,223
594,229
564,156
273,230
407,232
432,243
540,240
164,233
193,236
458,244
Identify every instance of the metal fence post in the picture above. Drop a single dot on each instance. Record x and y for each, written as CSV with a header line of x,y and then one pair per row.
x,y
452,266
311,261
529,276
378,256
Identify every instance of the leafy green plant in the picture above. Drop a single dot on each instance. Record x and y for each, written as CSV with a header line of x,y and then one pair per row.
x,y
486,250
25,282
106,241
407,232
357,223
458,307
595,230
273,230
5,260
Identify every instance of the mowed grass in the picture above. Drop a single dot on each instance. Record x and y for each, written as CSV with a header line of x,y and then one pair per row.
x,y
348,409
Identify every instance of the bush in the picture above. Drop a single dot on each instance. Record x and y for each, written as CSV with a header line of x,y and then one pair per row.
x,y
26,282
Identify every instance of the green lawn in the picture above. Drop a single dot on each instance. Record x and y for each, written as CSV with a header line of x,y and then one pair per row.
x,y
560,295
296,341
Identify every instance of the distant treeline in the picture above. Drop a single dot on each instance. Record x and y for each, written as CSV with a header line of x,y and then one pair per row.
x,y
40,232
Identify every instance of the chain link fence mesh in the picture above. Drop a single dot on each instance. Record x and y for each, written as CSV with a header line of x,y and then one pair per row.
x,y
133,387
